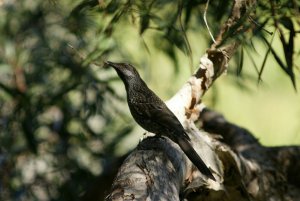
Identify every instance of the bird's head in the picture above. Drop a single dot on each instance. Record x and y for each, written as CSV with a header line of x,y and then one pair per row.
x,y
125,71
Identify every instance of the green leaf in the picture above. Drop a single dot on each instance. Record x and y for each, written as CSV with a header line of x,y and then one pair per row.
x,y
266,56
241,62
286,69
144,23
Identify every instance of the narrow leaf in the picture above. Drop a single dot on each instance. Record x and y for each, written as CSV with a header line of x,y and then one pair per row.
x,y
241,62
266,56
252,60
287,70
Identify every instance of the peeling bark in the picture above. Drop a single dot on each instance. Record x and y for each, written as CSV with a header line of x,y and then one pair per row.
x,y
158,170
244,169
269,173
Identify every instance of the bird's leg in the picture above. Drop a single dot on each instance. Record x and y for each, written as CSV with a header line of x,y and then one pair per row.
x,y
144,136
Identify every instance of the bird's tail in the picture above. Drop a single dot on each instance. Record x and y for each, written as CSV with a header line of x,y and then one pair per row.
x,y
189,151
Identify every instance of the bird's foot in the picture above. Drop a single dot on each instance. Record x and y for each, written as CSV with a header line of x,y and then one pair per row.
x,y
143,137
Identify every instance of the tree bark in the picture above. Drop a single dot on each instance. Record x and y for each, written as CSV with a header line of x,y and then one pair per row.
x,y
158,170
244,169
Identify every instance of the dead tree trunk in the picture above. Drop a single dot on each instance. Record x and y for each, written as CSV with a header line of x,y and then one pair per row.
x,y
158,170
245,170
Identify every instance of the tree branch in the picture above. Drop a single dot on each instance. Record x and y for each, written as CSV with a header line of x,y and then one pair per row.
x,y
269,173
158,170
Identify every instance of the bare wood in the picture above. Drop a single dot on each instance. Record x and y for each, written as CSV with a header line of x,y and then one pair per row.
x,y
133,180
260,173
158,170
268,173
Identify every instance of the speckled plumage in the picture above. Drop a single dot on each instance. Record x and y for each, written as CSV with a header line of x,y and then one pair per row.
x,y
151,113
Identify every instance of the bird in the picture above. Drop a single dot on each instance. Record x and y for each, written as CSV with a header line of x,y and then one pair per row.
x,y
152,114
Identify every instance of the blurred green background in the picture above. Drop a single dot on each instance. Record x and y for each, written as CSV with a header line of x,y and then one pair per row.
x,y
64,123
269,109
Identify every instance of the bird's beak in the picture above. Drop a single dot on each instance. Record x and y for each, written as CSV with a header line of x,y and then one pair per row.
x,y
112,64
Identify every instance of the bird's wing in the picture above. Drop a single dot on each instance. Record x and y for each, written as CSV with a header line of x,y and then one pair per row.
x,y
162,115
146,109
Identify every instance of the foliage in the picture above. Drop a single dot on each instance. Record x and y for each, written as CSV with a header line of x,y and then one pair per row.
x,y
61,117
50,100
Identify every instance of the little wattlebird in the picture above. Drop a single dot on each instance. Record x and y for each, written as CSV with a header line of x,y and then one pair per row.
x,y
151,113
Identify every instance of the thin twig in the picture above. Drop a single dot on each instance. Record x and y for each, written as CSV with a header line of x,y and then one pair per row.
x,y
82,56
259,25
204,17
